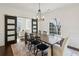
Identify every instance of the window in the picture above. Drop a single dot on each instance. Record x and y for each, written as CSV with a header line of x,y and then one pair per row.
x,y
52,29
23,24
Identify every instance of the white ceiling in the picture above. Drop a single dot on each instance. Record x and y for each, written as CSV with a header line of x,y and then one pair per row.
x,y
33,7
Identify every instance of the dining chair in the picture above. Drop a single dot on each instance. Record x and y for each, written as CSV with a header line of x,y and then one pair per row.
x,y
26,38
44,36
43,46
34,40
30,40
59,50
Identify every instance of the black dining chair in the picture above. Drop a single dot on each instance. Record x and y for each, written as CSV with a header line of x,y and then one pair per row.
x,y
33,42
43,46
31,38
26,38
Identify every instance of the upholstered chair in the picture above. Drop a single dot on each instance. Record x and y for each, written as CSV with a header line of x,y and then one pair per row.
x,y
44,37
59,50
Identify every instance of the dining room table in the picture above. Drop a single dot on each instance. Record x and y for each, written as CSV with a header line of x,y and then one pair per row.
x,y
52,39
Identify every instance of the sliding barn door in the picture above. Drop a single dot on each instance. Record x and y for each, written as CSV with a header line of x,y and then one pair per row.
x,y
34,26
10,30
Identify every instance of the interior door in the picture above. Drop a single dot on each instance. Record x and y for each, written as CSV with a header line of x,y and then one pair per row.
x,y
35,26
10,30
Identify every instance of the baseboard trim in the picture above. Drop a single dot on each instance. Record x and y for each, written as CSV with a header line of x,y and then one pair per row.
x,y
77,49
71,47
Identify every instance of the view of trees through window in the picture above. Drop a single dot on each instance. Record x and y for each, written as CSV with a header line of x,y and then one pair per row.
x,y
53,29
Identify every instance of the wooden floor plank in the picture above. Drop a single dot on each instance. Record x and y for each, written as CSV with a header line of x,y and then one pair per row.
x,y
6,51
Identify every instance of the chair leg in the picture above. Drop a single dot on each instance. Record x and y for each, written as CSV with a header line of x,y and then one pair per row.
x,y
42,53
36,52
29,46
34,49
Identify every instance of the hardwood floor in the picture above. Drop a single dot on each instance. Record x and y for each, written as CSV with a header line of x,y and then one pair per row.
x,y
6,51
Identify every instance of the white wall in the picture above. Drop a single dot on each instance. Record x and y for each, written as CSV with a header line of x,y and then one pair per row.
x,y
13,12
69,18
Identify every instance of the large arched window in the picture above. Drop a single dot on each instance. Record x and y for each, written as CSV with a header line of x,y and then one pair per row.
x,y
54,27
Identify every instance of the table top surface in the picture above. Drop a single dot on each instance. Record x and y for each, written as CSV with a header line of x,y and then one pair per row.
x,y
54,39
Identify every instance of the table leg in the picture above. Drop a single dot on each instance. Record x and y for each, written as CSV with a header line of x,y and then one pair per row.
x,y
51,50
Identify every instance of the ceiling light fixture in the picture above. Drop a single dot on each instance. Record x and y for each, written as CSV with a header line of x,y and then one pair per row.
x,y
39,14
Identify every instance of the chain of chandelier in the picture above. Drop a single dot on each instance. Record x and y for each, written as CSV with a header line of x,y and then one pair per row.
x,y
39,14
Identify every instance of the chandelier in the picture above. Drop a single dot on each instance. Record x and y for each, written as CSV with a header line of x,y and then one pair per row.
x,y
39,14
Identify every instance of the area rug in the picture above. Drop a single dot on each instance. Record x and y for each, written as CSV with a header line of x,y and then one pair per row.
x,y
20,49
